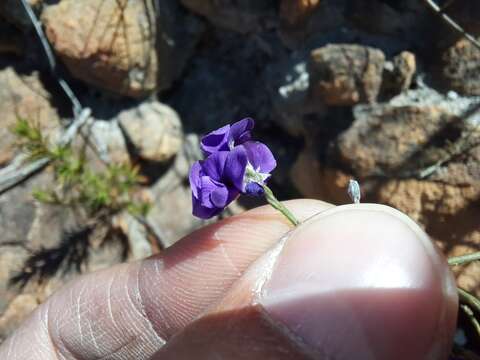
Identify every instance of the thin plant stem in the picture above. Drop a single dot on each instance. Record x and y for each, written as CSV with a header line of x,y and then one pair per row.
x,y
464,259
469,299
272,200
471,316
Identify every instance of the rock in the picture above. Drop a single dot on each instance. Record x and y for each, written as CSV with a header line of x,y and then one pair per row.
x,y
343,75
23,96
106,45
126,51
243,16
398,74
461,68
386,139
154,129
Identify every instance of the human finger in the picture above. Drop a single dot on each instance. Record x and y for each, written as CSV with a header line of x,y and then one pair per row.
x,y
131,310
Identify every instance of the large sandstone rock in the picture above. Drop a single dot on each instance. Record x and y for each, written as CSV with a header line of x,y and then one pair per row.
x,y
345,74
110,44
23,96
125,47
154,129
384,139
243,16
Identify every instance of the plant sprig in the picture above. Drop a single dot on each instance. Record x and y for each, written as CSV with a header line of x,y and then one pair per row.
x,y
112,190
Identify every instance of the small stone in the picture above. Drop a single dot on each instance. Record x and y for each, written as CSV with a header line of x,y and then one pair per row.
x,y
154,129
398,75
345,75
461,68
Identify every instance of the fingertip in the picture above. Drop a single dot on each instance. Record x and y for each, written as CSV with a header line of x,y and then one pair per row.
x,y
367,273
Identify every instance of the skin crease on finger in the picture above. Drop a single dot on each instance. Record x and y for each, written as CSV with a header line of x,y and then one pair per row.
x,y
355,282
130,310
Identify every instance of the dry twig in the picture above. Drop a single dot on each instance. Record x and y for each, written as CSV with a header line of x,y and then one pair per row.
x,y
452,23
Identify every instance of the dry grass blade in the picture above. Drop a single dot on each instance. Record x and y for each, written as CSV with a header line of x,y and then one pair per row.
x,y
452,23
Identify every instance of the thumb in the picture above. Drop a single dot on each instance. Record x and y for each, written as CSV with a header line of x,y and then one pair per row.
x,y
354,282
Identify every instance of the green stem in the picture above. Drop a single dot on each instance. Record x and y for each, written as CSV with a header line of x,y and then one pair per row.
x,y
272,200
471,316
459,260
471,306
469,299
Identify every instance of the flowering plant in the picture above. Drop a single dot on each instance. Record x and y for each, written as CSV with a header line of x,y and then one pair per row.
x,y
234,164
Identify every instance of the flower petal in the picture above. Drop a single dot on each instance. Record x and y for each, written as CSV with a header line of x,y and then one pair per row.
x,y
219,196
202,211
240,131
214,165
216,140
194,177
209,186
213,198
260,156
235,167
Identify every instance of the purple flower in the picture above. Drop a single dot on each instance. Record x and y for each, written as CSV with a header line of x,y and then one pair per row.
x,y
235,164
227,137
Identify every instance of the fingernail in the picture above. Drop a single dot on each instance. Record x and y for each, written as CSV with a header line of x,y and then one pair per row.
x,y
363,282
